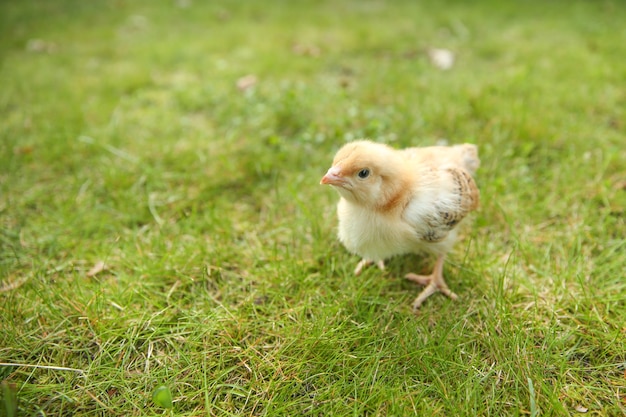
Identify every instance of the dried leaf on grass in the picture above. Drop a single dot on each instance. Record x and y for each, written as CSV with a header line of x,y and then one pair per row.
x,y
96,269
246,82
306,50
41,46
13,285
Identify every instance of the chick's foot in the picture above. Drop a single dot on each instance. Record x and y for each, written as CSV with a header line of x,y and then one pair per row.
x,y
433,282
365,262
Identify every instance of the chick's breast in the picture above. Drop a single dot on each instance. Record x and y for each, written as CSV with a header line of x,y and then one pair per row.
x,y
373,235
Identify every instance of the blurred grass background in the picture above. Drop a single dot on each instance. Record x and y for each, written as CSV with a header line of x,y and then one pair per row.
x,y
161,224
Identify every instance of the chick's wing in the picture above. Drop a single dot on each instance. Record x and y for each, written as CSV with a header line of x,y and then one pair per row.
x,y
444,191
457,196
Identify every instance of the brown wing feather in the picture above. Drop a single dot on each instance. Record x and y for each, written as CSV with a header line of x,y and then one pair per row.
x,y
466,189
445,218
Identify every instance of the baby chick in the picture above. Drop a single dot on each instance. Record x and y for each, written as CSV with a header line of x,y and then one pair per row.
x,y
403,201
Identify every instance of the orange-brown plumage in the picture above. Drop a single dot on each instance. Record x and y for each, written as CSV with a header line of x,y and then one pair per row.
x,y
402,201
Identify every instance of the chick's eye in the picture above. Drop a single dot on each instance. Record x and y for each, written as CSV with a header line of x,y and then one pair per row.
x,y
364,173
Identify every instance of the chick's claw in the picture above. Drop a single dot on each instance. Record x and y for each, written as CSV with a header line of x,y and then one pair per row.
x,y
365,262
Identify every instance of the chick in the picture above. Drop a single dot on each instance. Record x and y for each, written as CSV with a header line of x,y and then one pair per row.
x,y
395,202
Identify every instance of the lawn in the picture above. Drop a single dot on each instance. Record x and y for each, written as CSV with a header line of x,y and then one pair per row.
x,y
162,222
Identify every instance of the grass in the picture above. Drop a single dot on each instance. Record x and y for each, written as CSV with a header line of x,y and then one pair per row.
x,y
124,140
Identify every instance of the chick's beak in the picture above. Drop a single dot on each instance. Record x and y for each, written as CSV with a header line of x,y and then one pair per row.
x,y
332,177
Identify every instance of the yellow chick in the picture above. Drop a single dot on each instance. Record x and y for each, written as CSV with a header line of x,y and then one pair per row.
x,y
395,202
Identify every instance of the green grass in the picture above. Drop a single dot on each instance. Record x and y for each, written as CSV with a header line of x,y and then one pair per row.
x,y
125,140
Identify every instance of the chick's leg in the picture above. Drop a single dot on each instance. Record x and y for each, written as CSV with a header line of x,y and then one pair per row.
x,y
366,262
434,282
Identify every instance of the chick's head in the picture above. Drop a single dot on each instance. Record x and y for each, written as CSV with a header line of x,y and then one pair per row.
x,y
364,172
